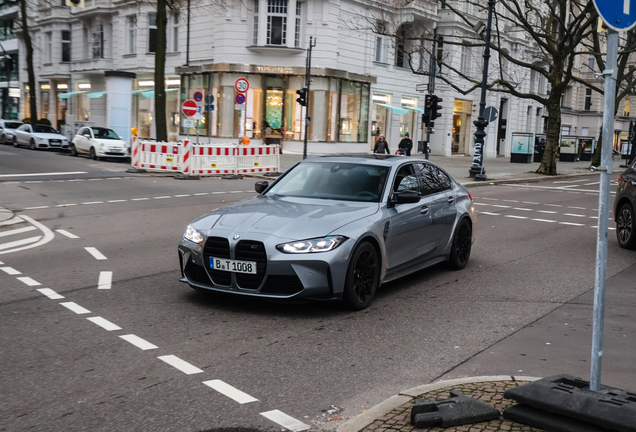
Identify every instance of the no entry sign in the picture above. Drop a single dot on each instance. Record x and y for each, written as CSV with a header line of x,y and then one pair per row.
x,y
189,108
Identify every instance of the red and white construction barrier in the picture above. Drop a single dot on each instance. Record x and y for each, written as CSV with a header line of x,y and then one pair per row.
x,y
159,156
257,159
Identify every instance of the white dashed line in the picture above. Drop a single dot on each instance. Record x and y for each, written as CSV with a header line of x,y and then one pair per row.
x,y
105,280
93,202
553,205
491,199
482,204
546,211
10,271
28,281
117,201
571,223
140,343
162,197
44,174
284,420
491,214
33,181
182,195
216,193
574,215
140,199
578,208
522,209
515,201
67,234
229,391
66,205
529,202
50,293
36,208
20,242
77,180
182,365
96,254
544,220
500,206
104,323
201,193
516,217
72,306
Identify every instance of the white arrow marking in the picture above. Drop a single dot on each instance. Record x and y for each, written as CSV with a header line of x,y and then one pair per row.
x,y
626,7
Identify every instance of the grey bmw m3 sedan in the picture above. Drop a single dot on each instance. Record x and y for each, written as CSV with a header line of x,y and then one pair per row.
x,y
332,228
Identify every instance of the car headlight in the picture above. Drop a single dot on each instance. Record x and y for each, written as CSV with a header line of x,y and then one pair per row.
x,y
324,244
193,235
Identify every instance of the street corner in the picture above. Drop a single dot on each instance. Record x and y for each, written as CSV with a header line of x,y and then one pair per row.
x,y
394,414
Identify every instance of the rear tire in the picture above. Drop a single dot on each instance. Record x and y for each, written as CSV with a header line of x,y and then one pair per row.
x,y
363,277
462,243
15,142
625,229
33,147
72,149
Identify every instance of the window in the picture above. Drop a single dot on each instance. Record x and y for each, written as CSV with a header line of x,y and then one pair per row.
x,y
529,118
49,47
588,99
465,60
6,30
87,43
590,64
440,53
565,130
152,32
403,44
297,33
628,104
379,49
406,180
533,80
131,34
98,42
255,36
537,123
276,22
566,97
175,32
433,179
66,46
354,111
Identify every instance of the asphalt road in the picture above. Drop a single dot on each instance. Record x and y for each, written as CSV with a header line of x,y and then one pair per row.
x,y
63,368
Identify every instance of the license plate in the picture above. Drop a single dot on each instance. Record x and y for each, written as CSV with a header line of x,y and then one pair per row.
x,y
234,266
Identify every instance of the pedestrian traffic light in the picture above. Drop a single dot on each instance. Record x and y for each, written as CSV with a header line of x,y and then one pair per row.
x,y
302,96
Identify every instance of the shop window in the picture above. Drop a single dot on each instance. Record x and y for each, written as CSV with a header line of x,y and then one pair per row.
x,y
276,22
407,121
379,115
97,44
66,46
152,32
131,34
189,86
354,109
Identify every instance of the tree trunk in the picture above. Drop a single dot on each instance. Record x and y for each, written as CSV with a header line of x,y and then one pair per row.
x,y
549,162
29,59
160,80
596,159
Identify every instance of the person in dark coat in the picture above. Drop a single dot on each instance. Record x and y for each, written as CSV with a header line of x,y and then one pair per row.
x,y
406,145
381,146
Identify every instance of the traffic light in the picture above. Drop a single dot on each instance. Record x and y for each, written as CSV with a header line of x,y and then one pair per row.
x,y
302,96
435,107
426,116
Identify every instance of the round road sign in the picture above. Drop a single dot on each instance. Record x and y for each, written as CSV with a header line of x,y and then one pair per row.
x,y
198,96
240,98
241,85
189,108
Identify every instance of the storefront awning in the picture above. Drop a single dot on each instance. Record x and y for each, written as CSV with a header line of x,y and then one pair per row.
x,y
397,110
68,95
96,94
419,110
151,93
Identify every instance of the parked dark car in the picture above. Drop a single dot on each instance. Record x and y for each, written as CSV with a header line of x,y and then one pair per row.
x,y
624,208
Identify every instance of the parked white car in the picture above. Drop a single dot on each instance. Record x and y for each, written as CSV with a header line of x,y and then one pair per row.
x,y
7,128
98,142
39,136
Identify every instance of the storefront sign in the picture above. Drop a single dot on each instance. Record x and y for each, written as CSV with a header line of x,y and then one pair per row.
x,y
275,70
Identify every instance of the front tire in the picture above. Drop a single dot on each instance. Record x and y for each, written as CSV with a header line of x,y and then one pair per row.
x,y
72,149
92,154
363,277
462,243
15,142
33,147
625,230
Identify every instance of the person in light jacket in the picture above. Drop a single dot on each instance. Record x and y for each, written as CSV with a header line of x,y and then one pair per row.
x,y
381,146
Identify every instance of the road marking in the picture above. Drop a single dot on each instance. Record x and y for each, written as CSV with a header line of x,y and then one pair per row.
x,y
50,293
19,242
14,220
511,201
43,174
117,201
67,234
28,281
491,214
591,184
183,195
571,223
33,181
500,206
523,209
65,205
96,254
162,197
140,199
570,181
10,271
104,323
578,208
217,192
105,280
285,421
140,343
482,204
33,241
75,308
36,208
229,391
491,199
553,205
516,217
543,220
182,365
93,202
572,214
529,202
77,180
201,193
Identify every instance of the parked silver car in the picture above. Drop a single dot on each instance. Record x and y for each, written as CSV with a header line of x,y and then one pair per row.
x,y
332,228
7,129
39,136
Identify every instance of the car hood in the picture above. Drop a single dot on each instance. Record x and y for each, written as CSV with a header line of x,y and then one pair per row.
x,y
110,142
286,218
46,135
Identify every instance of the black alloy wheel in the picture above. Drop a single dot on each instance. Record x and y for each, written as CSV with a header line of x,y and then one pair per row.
x,y
363,277
460,252
625,227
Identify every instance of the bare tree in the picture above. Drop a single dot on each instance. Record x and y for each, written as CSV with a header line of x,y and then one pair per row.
x,y
160,77
26,37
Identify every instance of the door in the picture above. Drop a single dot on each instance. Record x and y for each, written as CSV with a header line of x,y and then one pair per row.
x,y
22,134
409,224
437,188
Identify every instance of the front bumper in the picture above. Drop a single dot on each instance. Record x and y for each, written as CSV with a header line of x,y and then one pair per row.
x,y
52,145
318,276
111,153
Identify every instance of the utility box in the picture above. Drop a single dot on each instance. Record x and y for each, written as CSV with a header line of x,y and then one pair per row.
x,y
521,148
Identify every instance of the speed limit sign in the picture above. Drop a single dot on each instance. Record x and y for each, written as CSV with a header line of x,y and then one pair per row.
x,y
241,85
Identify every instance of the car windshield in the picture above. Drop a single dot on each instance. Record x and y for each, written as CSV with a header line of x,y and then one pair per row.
x,y
44,129
12,125
333,180
103,133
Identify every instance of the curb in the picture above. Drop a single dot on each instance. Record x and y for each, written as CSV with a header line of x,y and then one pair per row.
x,y
524,180
366,418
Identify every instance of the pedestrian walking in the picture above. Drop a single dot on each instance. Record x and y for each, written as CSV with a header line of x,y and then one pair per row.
x,y
406,145
381,146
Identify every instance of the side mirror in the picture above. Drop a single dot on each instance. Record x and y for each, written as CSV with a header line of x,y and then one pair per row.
x,y
261,186
405,197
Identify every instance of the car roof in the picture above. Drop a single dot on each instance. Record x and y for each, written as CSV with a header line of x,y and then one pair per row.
x,y
366,159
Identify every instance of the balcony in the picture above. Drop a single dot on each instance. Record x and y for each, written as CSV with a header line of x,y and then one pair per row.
x,y
96,65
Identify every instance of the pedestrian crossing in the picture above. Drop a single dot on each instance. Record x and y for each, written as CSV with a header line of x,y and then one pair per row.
x,y
22,232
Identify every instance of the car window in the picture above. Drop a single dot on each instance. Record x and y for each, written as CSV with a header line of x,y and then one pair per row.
x,y
406,179
86,133
103,133
22,128
331,180
12,125
433,179
43,129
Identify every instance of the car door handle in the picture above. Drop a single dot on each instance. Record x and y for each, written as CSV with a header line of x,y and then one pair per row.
x,y
451,200
424,210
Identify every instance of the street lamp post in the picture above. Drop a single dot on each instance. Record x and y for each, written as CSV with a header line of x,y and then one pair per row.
x,y
477,169
312,43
